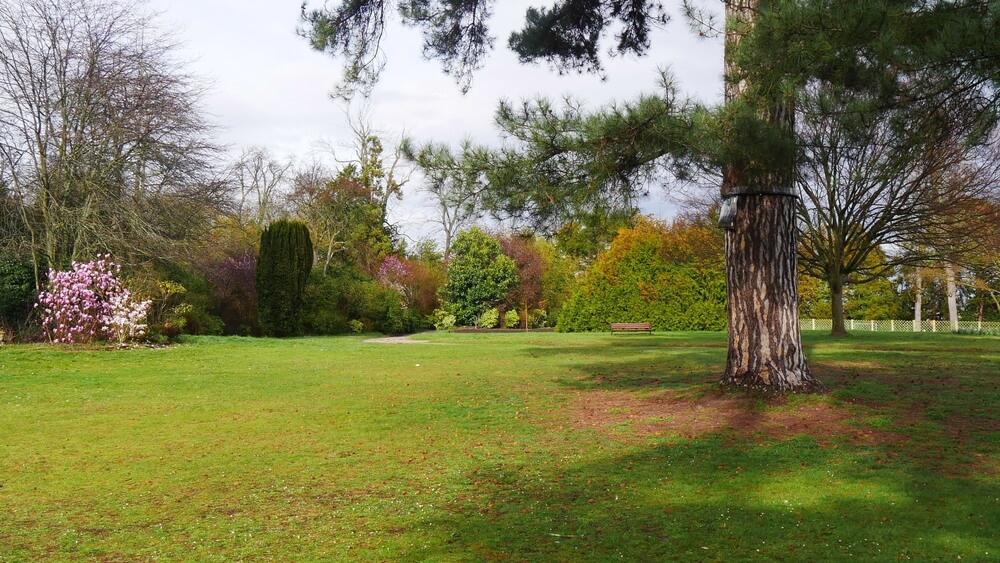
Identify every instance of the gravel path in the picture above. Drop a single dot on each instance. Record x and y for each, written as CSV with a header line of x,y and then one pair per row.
x,y
397,340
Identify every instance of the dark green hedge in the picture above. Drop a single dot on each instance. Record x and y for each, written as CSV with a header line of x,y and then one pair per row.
x,y
17,290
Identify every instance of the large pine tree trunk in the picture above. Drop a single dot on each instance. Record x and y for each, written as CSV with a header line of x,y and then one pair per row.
x,y
765,349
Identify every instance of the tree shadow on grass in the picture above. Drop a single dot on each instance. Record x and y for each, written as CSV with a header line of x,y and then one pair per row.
x,y
664,361
637,362
713,499
939,409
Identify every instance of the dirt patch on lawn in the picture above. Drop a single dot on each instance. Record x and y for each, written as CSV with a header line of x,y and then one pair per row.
x,y
672,414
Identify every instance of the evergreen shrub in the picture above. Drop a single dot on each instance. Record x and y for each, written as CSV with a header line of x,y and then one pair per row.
x,y
479,276
670,276
17,291
490,318
322,305
283,267
443,320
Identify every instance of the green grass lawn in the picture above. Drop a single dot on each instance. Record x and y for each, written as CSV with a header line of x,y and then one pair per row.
x,y
497,447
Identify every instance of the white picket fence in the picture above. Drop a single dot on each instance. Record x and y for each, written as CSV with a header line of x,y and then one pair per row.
x,y
991,327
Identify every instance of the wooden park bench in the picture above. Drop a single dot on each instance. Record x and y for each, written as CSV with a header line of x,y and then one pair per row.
x,y
631,327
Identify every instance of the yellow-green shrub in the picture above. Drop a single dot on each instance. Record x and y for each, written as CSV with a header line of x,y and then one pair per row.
x,y
671,276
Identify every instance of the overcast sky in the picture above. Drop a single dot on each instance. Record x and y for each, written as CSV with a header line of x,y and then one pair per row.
x,y
269,89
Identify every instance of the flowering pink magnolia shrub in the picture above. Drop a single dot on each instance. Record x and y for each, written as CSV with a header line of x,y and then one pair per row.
x,y
394,273
89,302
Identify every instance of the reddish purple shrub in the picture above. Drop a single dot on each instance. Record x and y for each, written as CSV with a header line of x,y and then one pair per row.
x,y
235,291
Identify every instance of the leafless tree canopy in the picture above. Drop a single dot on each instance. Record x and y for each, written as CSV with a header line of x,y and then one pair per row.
x,y
101,142
904,182
453,184
883,188
257,181
328,204
349,201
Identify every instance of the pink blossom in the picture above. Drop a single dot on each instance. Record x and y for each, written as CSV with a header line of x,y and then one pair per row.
x,y
89,302
394,272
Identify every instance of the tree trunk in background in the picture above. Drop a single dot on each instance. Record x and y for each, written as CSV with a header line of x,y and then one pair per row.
x,y
949,271
765,349
918,301
837,304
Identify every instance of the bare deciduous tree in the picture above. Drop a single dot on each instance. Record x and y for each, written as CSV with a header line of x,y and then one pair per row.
x,y
257,179
330,205
100,136
347,207
452,182
381,173
898,180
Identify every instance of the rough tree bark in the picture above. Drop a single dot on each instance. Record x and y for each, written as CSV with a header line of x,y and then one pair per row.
x,y
765,348
837,302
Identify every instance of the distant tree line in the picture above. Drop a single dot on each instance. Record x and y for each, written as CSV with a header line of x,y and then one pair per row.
x,y
104,150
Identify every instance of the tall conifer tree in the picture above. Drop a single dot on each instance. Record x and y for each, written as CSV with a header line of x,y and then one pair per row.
x,y
283,266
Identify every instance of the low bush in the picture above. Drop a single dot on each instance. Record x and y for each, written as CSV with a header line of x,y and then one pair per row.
x,y
396,317
539,318
511,319
17,291
323,305
180,298
489,319
443,320
347,300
